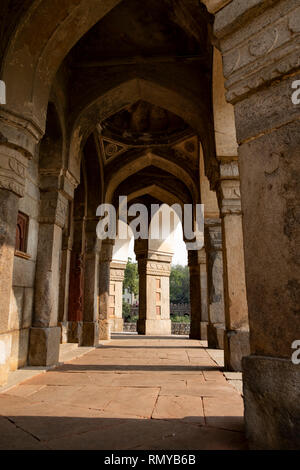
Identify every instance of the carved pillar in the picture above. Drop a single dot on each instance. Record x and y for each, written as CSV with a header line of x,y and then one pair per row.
x,y
261,71
18,140
76,281
104,280
117,272
203,287
154,290
195,294
236,339
215,284
90,327
45,334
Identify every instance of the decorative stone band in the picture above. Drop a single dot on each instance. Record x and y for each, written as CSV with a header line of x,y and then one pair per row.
x,y
117,274
61,179
19,133
229,195
213,234
13,165
53,209
152,268
256,51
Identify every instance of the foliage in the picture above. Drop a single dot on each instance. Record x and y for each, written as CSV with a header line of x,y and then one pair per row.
x,y
126,309
180,319
131,280
180,285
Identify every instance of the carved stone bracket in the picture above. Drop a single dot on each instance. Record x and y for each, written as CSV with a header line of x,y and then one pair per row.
x,y
13,166
53,209
257,51
213,235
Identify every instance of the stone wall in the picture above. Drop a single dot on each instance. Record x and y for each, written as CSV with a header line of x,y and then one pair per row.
x,y
180,309
177,328
21,304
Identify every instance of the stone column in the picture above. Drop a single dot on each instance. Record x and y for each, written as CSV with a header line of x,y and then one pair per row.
x,y
215,284
117,272
64,286
90,326
18,139
261,71
154,290
236,339
104,281
203,287
195,294
45,334
13,166
76,281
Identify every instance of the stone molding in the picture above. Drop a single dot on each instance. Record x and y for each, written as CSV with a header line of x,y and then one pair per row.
x,y
13,167
117,271
153,268
213,235
257,51
60,179
53,209
229,194
19,133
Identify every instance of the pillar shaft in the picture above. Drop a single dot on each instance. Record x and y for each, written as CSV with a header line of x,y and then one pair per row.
x,y
90,326
195,294
117,272
215,284
45,334
236,339
262,88
13,165
154,292
104,281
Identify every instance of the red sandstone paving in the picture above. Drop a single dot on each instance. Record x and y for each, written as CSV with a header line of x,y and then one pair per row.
x,y
133,394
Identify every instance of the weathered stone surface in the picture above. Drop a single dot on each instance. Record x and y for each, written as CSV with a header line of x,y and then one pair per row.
x,y
215,335
44,346
270,173
272,409
236,346
89,334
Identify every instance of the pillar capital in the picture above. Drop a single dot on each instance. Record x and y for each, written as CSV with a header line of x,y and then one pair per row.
x,y
13,167
213,234
117,271
53,209
19,133
255,51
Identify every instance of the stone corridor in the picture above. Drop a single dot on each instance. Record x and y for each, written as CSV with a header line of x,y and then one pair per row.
x,y
131,393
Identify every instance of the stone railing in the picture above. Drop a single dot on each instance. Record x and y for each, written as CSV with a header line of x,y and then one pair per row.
x,y
177,328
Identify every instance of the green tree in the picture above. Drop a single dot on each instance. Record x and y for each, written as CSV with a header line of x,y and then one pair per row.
x,y
131,279
179,285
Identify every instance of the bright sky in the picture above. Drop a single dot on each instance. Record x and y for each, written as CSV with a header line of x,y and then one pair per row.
x,y
180,256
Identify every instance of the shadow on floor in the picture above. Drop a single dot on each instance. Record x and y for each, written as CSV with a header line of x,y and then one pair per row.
x,y
135,367
105,433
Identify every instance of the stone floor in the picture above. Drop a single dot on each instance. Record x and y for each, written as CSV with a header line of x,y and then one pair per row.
x,y
132,393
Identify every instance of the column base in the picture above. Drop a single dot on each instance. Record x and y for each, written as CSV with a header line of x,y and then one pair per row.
x,y
272,408
44,346
89,334
203,329
154,327
236,346
215,336
74,331
104,330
